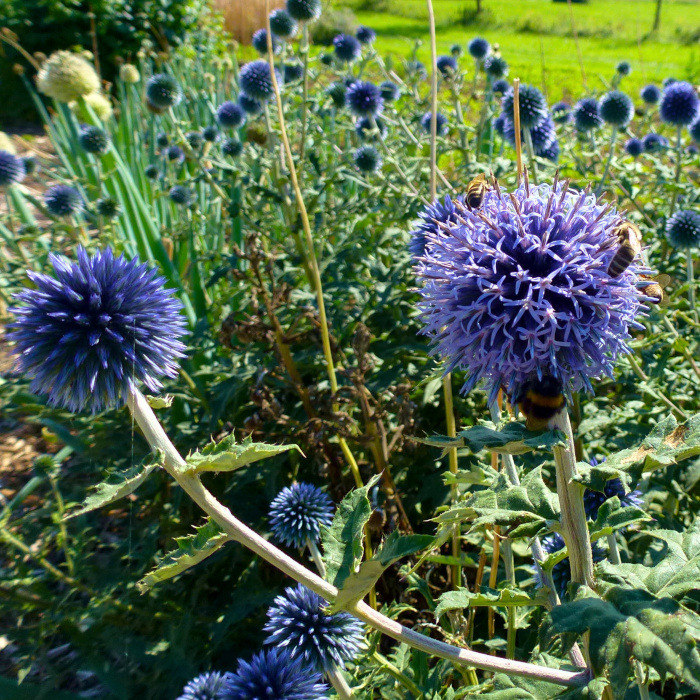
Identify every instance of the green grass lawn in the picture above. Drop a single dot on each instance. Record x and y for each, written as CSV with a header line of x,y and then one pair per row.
x,y
537,40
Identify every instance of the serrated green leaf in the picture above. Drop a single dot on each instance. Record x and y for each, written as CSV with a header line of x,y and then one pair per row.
x,y
228,455
342,540
518,688
612,517
191,550
487,597
106,493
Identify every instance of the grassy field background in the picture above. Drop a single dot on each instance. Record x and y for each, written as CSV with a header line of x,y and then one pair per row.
x,y
537,39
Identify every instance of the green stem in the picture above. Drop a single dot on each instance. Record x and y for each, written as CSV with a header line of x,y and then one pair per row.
x,y
401,677
340,685
691,284
613,550
316,556
508,561
601,184
304,48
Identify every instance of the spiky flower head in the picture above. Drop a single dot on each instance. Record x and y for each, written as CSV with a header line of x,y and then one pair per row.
x,y
365,35
211,134
447,65
259,42
651,94
364,99
275,675
249,105
282,24
593,500
256,80
207,686
551,152
478,48
63,200
654,143
561,571
683,229
298,622
347,48
11,169
543,134
99,325
297,513
292,72
181,195
416,69
561,112
304,10
151,171
586,114
680,104
634,147
92,139
432,221
326,58
162,140
390,91
456,50
367,158
623,68
694,130
495,67
174,154
106,207
500,87
517,288
67,76
129,73
163,91
336,91
533,106
616,108
440,122
232,147
367,128
499,125
230,115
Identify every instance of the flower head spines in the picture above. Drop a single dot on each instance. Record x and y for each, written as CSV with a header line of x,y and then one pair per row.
x,y
390,91
616,109
623,68
593,500
447,65
654,143
680,104
206,686
63,200
433,220
282,24
364,99
651,94
478,48
297,513
365,35
683,229
532,104
230,115
347,48
367,158
163,91
495,67
92,139
259,42
440,123
256,80
586,114
12,169
304,10
634,147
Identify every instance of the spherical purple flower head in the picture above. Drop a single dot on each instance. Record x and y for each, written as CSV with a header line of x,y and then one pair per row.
x,y
297,513
495,67
336,91
478,48
232,147
654,143
163,91
63,200
211,134
586,114
680,104
623,68
510,291
274,675
367,158
440,122
175,154
560,112
298,622
683,229
256,81
499,124
230,115
561,571
500,87
292,72
542,134
532,105
100,324
390,91
249,105
616,109
207,686
92,139
416,69
634,147
11,169
365,35
364,99
282,24
367,128
447,65
304,10
456,50
432,221
551,152
651,94
347,48
181,195
694,130
259,42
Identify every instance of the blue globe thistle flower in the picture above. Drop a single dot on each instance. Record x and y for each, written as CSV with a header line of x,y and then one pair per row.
x,y
623,68
616,108
680,104
651,94
163,91
390,91
230,115
12,169
517,288
542,134
367,158
586,114
431,221
326,59
181,195
162,140
499,125
304,10
365,35
297,513
654,143
366,129
106,207
479,48
298,623
292,72
274,674
259,42
232,147
282,24
668,81
347,48
63,200
533,106
207,686
211,134
634,147
30,164
593,500
249,105
416,69
256,81
683,229
100,324
151,172
495,67
551,152
440,123
447,65
694,130
500,87
92,139
194,139
364,99
561,572
456,50
336,91
174,154
560,112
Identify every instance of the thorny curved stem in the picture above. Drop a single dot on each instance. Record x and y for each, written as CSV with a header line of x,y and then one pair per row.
x,y
176,466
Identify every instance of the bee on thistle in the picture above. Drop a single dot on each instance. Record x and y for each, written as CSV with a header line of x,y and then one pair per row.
x,y
476,191
629,238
